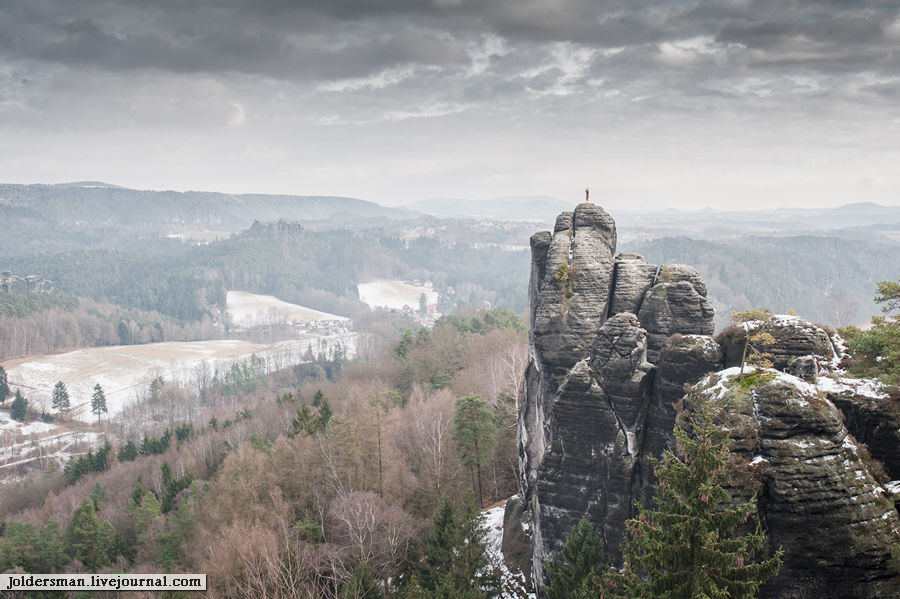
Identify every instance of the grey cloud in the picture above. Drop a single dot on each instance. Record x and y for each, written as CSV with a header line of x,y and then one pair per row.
x,y
299,40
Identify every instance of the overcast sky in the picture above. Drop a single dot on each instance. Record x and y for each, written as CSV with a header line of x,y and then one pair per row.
x,y
685,103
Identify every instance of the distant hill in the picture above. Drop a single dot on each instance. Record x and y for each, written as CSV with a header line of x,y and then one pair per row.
x,y
102,204
720,224
529,208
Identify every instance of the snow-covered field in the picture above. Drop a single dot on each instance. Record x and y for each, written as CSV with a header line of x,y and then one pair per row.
x,y
383,293
247,310
124,370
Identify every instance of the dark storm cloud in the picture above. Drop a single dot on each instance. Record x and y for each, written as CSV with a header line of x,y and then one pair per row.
x,y
299,40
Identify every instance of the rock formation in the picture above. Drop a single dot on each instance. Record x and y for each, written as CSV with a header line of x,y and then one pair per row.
x,y
599,322
817,497
10,283
615,342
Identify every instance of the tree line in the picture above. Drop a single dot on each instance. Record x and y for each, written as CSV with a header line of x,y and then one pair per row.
x,y
324,488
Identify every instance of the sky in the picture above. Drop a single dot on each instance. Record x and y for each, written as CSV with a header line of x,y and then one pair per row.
x,y
688,104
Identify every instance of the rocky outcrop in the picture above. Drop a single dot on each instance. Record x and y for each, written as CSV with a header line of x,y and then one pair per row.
x,y
10,283
816,496
574,289
872,417
589,384
516,543
794,338
614,345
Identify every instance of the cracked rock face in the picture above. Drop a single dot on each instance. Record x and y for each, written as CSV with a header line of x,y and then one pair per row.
x,y
615,343
815,494
589,383
572,285
675,304
683,360
633,277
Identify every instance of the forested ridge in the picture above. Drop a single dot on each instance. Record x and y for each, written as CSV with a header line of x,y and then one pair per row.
x,y
319,269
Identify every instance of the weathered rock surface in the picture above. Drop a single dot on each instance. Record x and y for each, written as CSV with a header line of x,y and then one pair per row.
x,y
516,544
874,419
683,360
794,337
602,392
678,306
573,287
816,495
633,276
805,368
589,382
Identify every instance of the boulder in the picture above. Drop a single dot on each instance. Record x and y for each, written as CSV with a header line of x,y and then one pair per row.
x,y
795,337
804,368
817,497
516,542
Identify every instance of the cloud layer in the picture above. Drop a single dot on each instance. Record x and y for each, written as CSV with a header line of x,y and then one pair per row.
x,y
664,102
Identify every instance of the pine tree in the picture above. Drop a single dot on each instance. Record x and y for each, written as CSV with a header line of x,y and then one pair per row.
x,y
98,402
60,400
475,430
756,337
19,408
4,386
685,548
582,557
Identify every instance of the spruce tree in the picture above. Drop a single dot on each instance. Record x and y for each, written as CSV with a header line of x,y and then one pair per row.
x,y
60,400
83,536
457,565
52,548
686,548
98,402
127,452
4,385
19,408
582,557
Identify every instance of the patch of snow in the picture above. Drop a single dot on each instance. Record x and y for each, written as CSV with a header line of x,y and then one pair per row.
x,y
24,428
848,443
785,319
511,582
758,460
864,387
247,310
893,487
394,295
